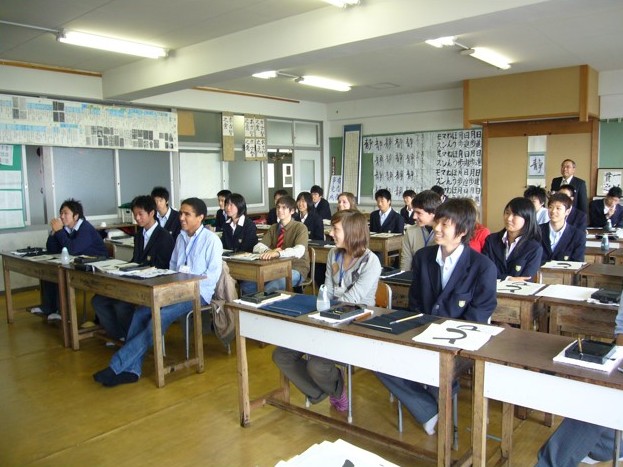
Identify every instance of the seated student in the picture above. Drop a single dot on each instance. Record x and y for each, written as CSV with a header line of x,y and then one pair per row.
x,y
221,217
575,217
421,234
168,218
72,231
602,210
538,196
240,232
287,239
561,241
440,191
449,280
385,219
346,200
516,249
272,213
407,211
153,246
197,251
320,204
575,441
307,215
352,276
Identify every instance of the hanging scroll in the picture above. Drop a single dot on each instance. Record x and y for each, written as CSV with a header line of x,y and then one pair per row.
x,y
255,138
228,136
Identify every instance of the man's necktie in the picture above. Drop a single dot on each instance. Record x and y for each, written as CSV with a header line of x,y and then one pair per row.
x,y
281,237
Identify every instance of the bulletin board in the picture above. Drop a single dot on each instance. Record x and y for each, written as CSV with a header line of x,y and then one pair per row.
x,y
608,178
11,189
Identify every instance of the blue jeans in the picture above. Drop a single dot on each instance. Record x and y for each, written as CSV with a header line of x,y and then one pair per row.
x,y
114,315
249,287
573,441
140,336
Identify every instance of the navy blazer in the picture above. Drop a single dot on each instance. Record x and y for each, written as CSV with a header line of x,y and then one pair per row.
x,y
570,247
409,220
524,261
581,198
173,225
323,209
84,241
244,238
158,250
577,219
314,225
272,216
470,293
220,219
598,218
394,223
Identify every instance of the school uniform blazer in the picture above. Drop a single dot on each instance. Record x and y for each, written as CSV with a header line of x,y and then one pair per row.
x,y
272,216
470,293
323,209
524,261
393,223
577,219
158,250
314,225
84,241
597,218
581,198
172,225
220,219
244,238
570,247
409,220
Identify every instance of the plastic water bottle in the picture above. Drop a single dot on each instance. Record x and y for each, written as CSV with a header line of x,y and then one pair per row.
x,y
605,243
322,302
609,226
64,256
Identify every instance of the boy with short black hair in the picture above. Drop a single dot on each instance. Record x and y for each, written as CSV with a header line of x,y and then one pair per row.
x,y
221,217
385,219
272,213
320,204
538,196
167,217
407,211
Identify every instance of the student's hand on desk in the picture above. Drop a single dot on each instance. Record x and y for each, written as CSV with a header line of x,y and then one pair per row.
x,y
270,254
56,224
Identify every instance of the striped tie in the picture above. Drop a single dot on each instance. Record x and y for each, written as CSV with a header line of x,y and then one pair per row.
x,y
280,237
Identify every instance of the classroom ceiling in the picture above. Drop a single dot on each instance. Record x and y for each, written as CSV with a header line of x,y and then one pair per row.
x,y
378,46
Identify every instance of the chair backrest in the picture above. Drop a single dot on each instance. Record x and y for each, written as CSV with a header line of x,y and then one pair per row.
x,y
383,297
310,280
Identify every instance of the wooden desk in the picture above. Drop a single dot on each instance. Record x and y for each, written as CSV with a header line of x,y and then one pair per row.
x,y
396,355
596,255
607,276
261,271
579,318
385,246
516,367
518,310
547,275
400,289
322,253
617,256
154,293
42,270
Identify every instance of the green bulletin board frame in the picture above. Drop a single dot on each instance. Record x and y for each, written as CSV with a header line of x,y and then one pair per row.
x,y
11,187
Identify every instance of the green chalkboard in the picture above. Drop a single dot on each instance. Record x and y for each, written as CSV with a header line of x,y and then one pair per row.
x,y
610,144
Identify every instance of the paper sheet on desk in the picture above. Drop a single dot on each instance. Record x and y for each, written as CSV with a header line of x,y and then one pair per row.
x,y
283,296
567,292
569,265
597,244
606,367
458,334
246,256
141,273
318,317
384,234
518,287
336,454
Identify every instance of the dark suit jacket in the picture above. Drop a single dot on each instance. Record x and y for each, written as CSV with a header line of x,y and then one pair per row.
x,y
393,224
158,250
581,198
470,293
173,225
314,225
409,220
577,219
244,238
220,219
323,209
524,261
272,216
597,218
570,247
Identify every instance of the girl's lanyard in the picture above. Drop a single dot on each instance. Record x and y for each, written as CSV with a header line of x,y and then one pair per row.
x,y
427,238
191,246
341,273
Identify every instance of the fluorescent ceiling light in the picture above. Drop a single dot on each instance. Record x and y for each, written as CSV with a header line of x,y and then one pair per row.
x,y
110,44
343,3
488,56
265,74
324,83
441,41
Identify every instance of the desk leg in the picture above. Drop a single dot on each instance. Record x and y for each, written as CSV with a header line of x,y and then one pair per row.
x,y
244,405
445,429
480,408
289,278
7,292
62,297
157,335
260,280
198,329
617,447
526,321
73,318
507,432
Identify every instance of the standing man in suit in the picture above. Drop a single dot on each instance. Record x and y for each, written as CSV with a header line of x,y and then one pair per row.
x,y
167,217
320,204
385,219
153,246
567,170
602,210
450,280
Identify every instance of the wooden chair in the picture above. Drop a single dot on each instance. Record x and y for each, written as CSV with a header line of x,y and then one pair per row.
x,y
383,297
312,271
